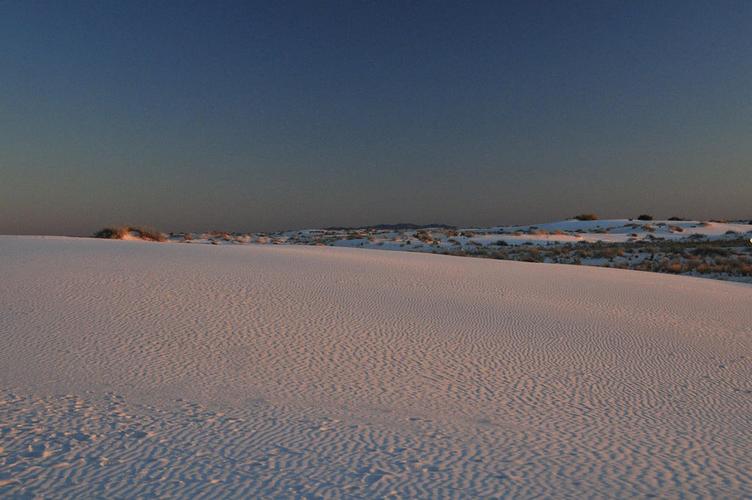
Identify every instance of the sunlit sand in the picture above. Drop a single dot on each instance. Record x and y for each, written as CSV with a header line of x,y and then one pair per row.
x,y
135,369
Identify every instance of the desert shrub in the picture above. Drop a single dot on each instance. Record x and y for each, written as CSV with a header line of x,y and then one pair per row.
x,y
424,236
710,251
586,217
645,217
673,267
122,232
675,218
111,233
608,252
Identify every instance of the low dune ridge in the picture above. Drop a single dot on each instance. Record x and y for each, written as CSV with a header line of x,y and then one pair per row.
x,y
294,371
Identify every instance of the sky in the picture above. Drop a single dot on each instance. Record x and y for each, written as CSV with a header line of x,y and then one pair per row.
x,y
262,116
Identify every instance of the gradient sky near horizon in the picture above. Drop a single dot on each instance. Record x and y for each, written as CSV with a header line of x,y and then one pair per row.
x,y
275,115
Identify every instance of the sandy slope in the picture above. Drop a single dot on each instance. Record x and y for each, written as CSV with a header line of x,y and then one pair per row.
x,y
131,368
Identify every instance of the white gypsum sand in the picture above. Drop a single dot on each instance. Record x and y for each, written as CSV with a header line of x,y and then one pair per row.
x,y
135,369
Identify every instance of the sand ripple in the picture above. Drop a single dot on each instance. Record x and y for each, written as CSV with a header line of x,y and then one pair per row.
x,y
136,369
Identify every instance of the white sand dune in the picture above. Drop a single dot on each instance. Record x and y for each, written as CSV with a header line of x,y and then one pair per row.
x,y
136,369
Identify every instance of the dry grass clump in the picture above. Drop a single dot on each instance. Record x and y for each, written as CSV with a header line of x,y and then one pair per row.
x,y
125,232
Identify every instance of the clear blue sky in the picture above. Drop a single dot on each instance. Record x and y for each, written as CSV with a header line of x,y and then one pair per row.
x,y
273,115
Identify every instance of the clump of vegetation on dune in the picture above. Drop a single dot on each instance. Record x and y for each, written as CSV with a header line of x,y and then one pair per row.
x,y
128,232
586,217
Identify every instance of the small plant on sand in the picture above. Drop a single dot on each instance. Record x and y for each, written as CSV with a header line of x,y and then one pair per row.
x,y
645,217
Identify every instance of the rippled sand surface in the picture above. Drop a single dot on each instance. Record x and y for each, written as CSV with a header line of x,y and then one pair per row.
x,y
134,369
